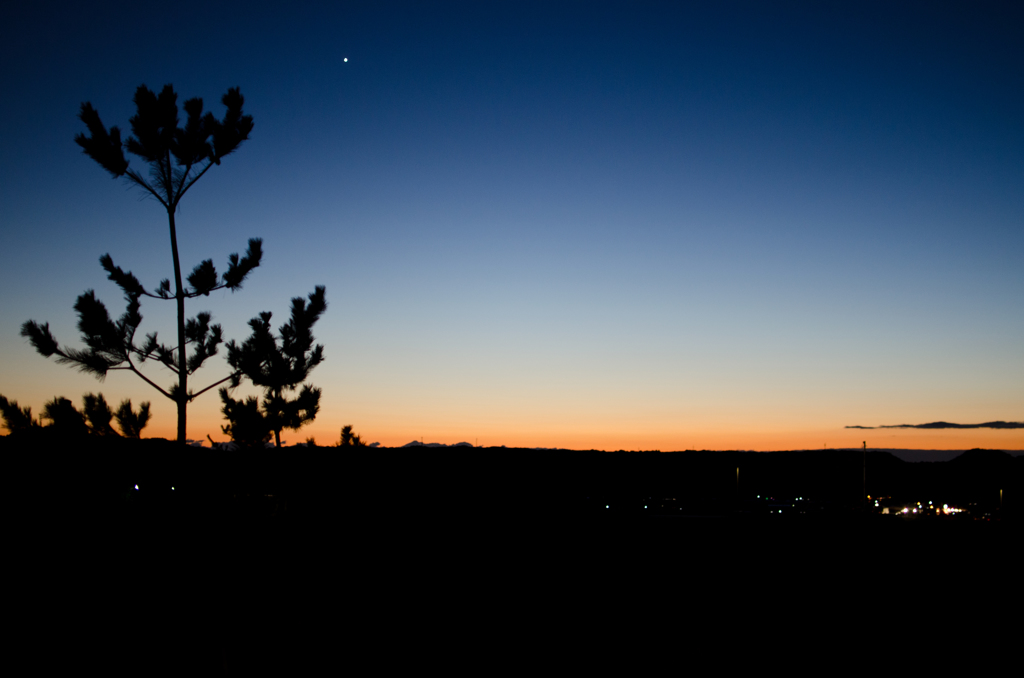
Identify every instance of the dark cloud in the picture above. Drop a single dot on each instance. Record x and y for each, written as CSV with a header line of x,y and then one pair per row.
x,y
946,424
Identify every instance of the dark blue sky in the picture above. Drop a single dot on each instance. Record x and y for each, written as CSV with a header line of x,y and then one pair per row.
x,y
643,224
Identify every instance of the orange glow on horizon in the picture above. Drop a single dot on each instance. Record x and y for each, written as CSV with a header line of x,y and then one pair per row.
x,y
696,439
394,423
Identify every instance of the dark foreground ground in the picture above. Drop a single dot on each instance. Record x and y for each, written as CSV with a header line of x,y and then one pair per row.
x,y
308,559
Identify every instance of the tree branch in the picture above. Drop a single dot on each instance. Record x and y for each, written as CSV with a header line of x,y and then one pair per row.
x,y
193,396
187,186
134,176
181,184
193,295
144,378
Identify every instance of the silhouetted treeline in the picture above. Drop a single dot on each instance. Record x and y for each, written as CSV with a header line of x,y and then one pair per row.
x,y
314,483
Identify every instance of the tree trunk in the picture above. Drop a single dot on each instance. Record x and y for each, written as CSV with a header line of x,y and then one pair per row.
x,y
179,297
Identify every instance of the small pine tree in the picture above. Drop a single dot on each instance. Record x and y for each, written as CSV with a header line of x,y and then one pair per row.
x,y
278,370
98,415
93,419
17,419
130,422
350,439
64,418
246,424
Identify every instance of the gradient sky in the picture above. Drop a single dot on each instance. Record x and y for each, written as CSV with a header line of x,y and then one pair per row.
x,y
581,224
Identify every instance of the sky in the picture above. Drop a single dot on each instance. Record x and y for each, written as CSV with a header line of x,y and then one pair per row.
x,y
618,225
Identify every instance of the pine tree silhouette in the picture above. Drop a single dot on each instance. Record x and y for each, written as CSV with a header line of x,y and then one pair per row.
x,y
64,418
17,419
246,424
177,158
278,370
98,414
350,439
130,422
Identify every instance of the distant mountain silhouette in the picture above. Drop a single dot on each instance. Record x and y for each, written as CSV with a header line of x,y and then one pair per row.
x,y
946,424
417,443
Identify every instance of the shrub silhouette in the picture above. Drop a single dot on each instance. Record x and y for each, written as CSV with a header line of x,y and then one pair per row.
x,y
130,422
64,418
98,415
350,439
246,424
17,419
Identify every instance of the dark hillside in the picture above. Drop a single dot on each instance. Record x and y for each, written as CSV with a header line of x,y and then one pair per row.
x,y
99,475
235,551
